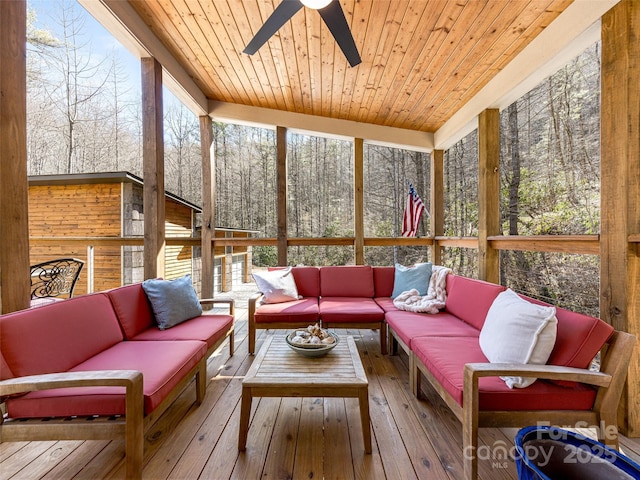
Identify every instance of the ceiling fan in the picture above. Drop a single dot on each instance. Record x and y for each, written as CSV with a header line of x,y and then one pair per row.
x,y
330,11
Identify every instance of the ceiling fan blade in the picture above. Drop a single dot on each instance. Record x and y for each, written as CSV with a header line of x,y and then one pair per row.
x,y
278,18
335,20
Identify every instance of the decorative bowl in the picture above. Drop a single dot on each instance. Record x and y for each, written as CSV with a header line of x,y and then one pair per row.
x,y
310,349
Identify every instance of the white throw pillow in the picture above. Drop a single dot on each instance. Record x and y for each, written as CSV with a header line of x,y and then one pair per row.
x,y
518,331
277,286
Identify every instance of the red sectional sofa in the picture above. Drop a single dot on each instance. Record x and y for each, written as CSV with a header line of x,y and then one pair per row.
x,y
337,296
444,349
100,354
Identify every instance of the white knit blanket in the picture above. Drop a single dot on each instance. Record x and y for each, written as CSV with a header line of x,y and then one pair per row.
x,y
433,301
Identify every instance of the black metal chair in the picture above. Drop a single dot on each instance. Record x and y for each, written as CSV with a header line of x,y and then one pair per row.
x,y
55,278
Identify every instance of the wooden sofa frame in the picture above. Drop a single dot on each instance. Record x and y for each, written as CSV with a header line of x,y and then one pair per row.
x,y
207,303
132,427
609,381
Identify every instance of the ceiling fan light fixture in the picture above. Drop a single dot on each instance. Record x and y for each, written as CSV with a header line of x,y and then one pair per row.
x,y
315,4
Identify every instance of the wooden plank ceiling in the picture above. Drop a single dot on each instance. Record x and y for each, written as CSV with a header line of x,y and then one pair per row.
x,y
421,59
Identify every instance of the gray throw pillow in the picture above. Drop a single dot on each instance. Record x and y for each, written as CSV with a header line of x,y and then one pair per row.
x,y
172,301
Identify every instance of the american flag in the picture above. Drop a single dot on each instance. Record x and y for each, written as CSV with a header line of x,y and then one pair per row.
x,y
412,213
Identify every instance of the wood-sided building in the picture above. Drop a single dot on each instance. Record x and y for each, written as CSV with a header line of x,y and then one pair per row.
x,y
99,218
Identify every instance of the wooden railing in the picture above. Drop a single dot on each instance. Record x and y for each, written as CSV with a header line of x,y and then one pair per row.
x,y
578,244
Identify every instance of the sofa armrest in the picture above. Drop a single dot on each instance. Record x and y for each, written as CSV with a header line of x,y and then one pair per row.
x,y
213,301
253,301
470,408
473,371
134,408
131,379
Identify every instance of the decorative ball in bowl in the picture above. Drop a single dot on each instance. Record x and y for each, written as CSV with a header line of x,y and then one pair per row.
x,y
312,341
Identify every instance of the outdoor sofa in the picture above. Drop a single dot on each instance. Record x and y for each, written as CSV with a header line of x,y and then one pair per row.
x,y
99,367
445,348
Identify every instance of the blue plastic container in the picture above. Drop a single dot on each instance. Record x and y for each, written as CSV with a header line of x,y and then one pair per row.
x,y
551,453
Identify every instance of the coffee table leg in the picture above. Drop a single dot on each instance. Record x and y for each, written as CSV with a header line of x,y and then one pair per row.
x,y
245,412
363,399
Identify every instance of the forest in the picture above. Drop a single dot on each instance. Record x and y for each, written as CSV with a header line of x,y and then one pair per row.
x,y
83,117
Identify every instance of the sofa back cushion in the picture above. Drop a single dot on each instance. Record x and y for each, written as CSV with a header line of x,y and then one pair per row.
x,y
59,336
5,371
470,299
307,280
132,308
578,339
347,281
383,278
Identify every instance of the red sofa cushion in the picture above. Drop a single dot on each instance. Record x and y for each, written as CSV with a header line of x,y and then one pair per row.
x,y
578,339
347,281
383,279
132,308
59,336
386,304
349,309
307,280
5,371
298,311
208,328
163,365
445,358
470,299
409,325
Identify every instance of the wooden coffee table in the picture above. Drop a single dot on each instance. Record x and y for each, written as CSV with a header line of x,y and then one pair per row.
x,y
278,371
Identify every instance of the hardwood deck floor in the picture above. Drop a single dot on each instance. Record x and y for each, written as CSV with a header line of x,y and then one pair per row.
x,y
308,438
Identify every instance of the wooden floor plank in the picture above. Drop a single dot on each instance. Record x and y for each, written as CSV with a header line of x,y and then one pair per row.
x,y
424,458
72,465
365,466
250,463
222,461
22,458
282,448
337,444
395,458
309,461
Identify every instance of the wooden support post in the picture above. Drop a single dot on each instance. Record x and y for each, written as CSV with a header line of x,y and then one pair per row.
x,y
437,203
620,189
208,205
281,179
488,193
153,168
227,285
358,198
224,273
14,187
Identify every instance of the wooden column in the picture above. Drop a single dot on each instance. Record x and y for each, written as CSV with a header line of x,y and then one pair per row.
x,y
14,188
281,179
620,189
153,169
208,205
488,193
437,203
358,198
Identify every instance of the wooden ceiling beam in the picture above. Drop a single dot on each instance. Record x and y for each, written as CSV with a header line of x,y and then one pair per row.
x,y
321,126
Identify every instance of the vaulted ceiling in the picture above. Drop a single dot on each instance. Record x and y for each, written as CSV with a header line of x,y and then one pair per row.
x,y
423,61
